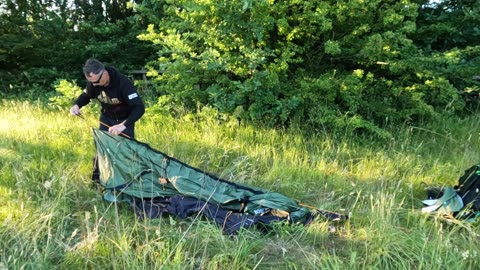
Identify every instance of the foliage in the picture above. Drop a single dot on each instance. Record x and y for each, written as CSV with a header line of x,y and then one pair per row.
x,y
448,24
356,66
67,92
41,42
334,64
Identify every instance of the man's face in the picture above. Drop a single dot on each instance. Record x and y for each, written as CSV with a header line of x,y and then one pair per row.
x,y
97,79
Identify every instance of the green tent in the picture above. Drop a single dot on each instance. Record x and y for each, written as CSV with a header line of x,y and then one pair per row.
x,y
138,174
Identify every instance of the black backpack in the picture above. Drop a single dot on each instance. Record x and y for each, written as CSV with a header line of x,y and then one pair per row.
x,y
461,201
468,188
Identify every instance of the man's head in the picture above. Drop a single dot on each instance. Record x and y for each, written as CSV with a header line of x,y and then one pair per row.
x,y
95,72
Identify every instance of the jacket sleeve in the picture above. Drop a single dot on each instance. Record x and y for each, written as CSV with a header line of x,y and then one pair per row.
x,y
133,100
84,98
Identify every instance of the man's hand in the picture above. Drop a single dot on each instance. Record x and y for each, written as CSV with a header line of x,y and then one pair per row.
x,y
117,129
75,110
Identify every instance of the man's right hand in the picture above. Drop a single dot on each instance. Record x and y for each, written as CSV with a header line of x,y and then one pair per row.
x,y
75,110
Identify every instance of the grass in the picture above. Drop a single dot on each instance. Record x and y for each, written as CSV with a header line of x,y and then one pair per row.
x,y
51,217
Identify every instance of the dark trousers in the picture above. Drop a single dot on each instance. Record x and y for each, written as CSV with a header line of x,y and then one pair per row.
x,y
105,123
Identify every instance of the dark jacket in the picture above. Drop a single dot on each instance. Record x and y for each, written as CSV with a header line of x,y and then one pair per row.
x,y
120,99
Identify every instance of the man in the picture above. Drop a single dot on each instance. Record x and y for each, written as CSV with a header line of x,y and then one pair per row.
x,y
121,104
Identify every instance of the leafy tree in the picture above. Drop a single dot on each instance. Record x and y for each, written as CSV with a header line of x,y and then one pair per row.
x,y
448,24
344,64
41,41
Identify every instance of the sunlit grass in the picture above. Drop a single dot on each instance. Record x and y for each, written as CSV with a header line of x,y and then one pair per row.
x,y
51,217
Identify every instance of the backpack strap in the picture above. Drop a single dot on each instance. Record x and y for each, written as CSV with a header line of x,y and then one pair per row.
x,y
468,173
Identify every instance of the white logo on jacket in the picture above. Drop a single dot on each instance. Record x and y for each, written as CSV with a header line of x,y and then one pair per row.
x,y
132,96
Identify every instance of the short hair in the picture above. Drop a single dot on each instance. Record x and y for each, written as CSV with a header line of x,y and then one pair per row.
x,y
94,66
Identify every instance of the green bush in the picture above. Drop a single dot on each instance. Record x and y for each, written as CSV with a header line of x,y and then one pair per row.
x,y
330,64
66,93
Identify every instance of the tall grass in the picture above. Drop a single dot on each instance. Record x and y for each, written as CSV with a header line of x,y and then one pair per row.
x,y
52,218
